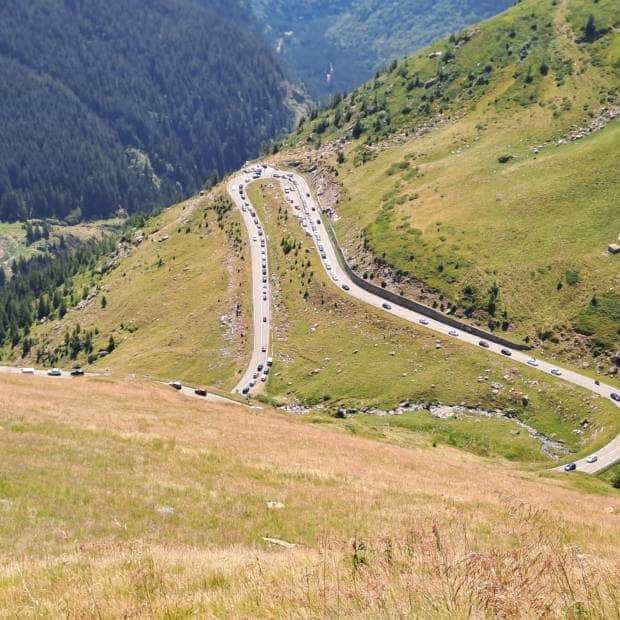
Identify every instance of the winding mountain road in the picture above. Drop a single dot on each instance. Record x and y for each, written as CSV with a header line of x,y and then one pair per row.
x,y
261,292
307,212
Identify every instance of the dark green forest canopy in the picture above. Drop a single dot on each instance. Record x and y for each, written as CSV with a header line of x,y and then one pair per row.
x,y
111,104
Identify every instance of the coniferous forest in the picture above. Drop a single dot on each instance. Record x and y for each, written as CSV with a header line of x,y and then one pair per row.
x,y
110,104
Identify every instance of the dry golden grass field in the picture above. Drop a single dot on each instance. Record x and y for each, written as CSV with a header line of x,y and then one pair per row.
x,y
125,499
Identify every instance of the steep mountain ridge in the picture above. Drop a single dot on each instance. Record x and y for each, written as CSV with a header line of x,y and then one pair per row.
x,y
332,46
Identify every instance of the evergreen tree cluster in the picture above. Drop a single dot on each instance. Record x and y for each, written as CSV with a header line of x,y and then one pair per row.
x,y
41,287
36,230
110,104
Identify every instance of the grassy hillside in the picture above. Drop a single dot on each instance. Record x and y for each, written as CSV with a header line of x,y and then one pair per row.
x,y
466,174
127,499
331,351
175,303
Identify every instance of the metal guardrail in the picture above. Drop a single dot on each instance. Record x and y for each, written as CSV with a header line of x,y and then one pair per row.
x,y
414,305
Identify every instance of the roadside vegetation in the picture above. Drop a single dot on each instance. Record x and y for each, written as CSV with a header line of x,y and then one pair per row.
x,y
480,175
333,353
356,527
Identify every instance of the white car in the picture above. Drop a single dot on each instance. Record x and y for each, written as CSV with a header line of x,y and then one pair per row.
x,y
423,322
28,371
453,332
592,459
54,372
532,362
556,372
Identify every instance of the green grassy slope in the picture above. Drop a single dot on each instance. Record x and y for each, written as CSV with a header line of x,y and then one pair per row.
x,y
176,305
464,176
331,351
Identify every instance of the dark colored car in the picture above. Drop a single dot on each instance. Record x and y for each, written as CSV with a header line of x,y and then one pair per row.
x,y
615,396
346,287
506,352
177,385
386,306
200,392
259,367
77,372
245,390
570,467
484,344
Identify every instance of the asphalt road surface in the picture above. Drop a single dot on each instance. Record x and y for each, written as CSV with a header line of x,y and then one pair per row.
x,y
12,370
308,214
252,379
65,374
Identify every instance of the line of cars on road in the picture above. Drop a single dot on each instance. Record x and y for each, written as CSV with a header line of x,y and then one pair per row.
x,y
260,374
508,353
252,377
573,466
55,372
177,385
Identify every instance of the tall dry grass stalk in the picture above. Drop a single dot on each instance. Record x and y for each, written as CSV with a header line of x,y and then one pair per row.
x,y
425,572
444,573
